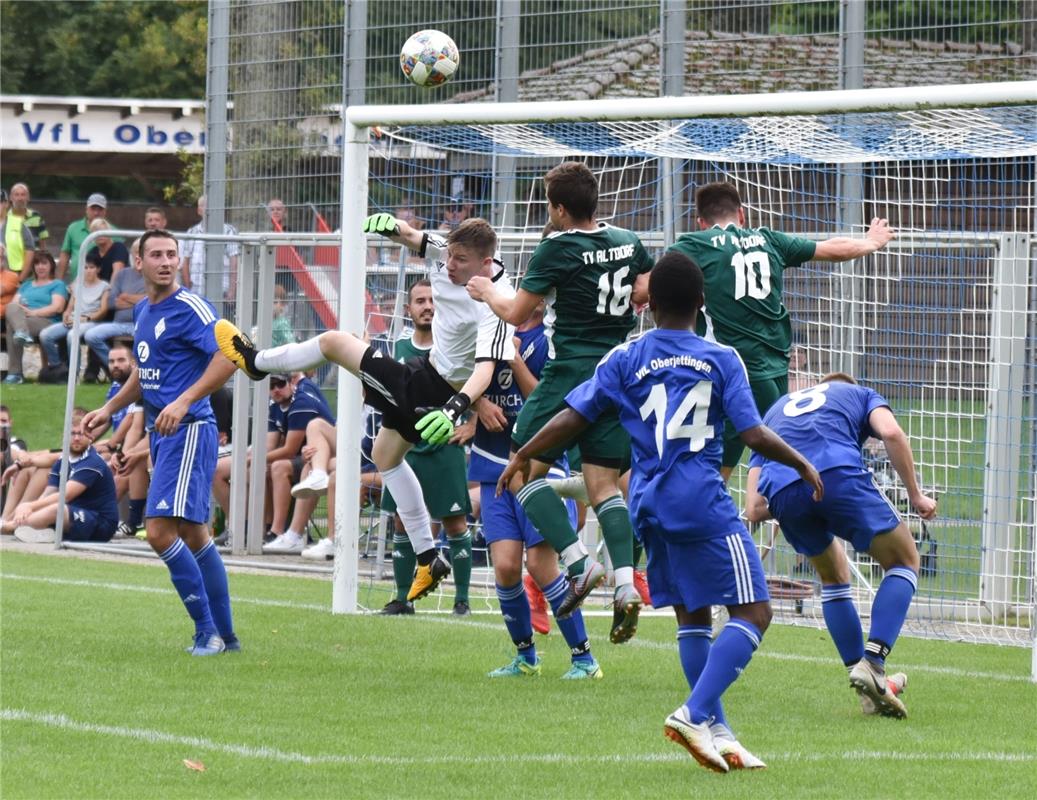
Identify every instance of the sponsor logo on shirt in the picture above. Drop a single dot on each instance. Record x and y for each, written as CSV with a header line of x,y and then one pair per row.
x,y
160,328
143,352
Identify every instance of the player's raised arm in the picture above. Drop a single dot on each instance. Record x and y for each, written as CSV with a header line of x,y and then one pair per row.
x,y
396,229
843,248
513,310
767,443
898,448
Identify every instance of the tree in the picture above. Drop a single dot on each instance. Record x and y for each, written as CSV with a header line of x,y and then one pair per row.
x,y
104,49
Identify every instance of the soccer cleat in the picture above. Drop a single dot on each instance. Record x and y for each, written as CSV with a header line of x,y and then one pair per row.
x,y
427,577
579,587
518,668
896,683
641,584
238,348
869,679
584,670
696,739
283,545
324,550
736,756
313,485
207,644
537,606
626,607
572,488
462,609
124,531
397,608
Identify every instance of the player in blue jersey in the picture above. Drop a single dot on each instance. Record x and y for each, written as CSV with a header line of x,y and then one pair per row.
x,y
672,391
178,367
829,423
91,510
507,529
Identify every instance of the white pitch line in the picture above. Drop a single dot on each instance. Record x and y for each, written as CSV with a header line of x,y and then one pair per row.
x,y
262,752
494,627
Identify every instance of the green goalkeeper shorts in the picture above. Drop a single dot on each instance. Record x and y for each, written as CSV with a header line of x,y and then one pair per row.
x,y
443,475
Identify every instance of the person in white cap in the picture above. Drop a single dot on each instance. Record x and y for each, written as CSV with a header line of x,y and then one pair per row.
x,y
96,208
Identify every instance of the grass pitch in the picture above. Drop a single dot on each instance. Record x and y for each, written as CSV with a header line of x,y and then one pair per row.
x,y
99,700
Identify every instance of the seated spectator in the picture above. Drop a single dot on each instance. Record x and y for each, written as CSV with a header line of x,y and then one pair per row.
x,y
92,307
112,255
282,330
91,510
324,550
10,446
127,289
37,305
9,283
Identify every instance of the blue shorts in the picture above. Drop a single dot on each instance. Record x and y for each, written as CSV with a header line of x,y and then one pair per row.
x,y
85,525
503,518
182,468
853,509
722,571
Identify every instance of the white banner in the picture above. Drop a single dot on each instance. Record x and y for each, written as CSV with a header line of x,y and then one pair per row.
x,y
100,130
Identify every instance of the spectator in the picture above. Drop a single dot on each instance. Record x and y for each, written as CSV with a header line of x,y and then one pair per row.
x,y
193,267
405,211
9,446
155,219
16,237
457,212
68,259
92,307
112,255
276,209
91,510
9,282
33,221
128,289
282,330
39,303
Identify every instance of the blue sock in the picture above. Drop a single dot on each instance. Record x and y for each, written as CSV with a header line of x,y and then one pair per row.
x,y
572,627
136,512
187,578
728,657
889,610
514,607
214,574
843,622
693,644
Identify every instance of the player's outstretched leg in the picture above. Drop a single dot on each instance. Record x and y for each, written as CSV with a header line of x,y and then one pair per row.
x,y
238,348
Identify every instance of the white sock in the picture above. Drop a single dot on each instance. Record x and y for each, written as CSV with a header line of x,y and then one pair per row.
x,y
571,554
291,357
292,536
624,576
410,505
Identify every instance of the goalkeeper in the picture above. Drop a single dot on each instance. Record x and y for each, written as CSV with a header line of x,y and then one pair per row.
x,y
422,398
743,269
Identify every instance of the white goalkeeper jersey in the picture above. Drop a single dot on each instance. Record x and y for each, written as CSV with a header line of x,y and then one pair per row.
x,y
464,331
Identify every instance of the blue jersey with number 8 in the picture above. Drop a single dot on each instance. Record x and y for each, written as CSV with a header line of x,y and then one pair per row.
x,y
827,423
673,390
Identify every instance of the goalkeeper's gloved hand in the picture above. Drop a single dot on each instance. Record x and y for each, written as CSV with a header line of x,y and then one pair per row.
x,y
437,426
385,224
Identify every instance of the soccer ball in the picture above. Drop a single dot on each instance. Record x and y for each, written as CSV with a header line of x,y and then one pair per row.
x,y
429,58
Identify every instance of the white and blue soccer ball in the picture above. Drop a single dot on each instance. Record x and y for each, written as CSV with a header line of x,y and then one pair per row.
x,y
429,58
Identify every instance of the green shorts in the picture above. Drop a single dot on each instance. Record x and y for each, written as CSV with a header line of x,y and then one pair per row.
x,y
443,475
765,392
604,443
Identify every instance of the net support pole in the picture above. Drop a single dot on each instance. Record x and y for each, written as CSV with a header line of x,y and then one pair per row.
x,y
237,519
1004,413
353,203
674,24
216,90
508,24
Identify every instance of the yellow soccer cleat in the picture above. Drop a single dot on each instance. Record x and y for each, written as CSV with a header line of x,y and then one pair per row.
x,y
238,348
428,577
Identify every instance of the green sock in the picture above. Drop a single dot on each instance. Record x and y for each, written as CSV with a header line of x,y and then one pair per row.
x,y
461,564
638,551
614,520
403,561
546,511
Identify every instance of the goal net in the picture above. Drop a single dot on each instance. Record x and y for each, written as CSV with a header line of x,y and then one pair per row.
x,y
941,322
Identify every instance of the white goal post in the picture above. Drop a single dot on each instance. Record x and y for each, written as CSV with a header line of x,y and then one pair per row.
x,y
358,122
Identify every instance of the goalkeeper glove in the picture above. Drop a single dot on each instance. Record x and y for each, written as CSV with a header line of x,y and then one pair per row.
x,y
385,224
437,426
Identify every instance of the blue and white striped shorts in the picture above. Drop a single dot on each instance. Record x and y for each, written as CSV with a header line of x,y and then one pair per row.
x,y
182,469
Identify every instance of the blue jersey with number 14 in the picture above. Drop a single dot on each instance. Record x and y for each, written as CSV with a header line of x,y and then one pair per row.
x,y
673,390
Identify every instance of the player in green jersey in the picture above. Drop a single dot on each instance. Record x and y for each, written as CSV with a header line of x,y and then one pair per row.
x,y
590,274
442,473
743,268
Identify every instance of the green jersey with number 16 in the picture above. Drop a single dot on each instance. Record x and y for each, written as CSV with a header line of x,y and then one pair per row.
x,y
587,278
743,270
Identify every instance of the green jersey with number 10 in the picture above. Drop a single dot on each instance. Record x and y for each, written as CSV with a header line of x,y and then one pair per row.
x,y
587,278
743,270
